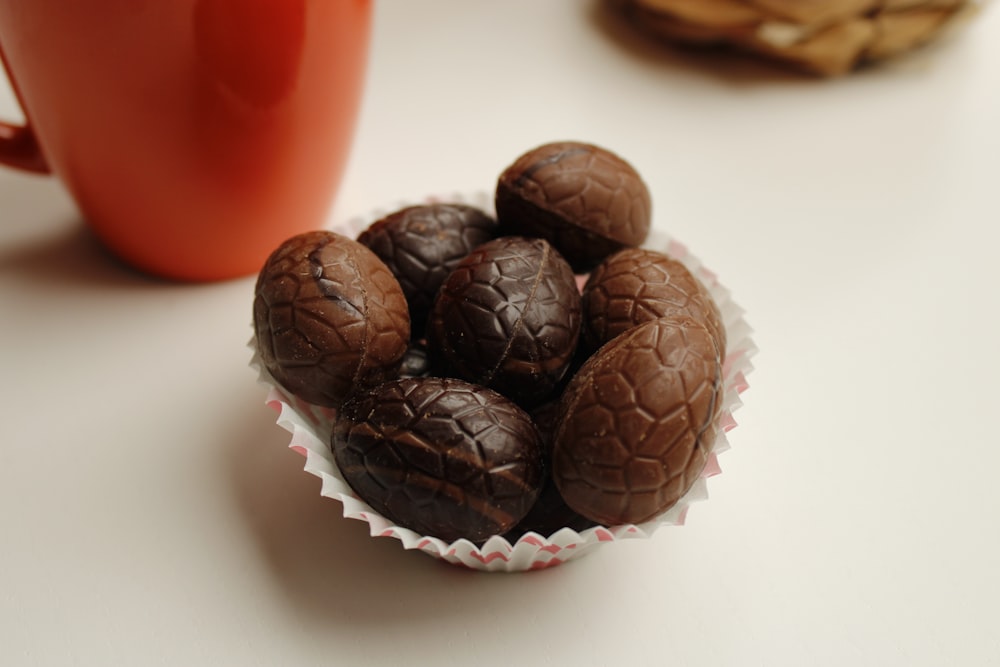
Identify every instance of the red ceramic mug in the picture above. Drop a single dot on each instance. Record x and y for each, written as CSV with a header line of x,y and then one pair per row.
x,y
194,135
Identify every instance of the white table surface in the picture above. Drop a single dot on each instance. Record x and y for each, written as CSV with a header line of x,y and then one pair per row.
x,y
151,514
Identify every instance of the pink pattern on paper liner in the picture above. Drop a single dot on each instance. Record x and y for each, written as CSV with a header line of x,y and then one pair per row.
x,y
727,422
542,546
712,467
488,558
542,564
740,383
708,277
730,361
677,249
475,553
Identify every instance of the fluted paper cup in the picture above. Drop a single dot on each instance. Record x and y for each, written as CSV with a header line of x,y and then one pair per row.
x,y
310,428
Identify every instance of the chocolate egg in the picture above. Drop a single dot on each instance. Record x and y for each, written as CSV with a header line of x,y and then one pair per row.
x,y
587,201
421,245
508,317
637,422
415,362
440,456
329,318
636,285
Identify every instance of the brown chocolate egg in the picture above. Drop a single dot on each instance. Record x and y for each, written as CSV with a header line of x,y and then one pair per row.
x,y
638,421
585,200
421,245
508,317
329,318
440,456
636,285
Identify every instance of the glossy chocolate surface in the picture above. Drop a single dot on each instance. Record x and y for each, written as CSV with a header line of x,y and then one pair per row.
x,y
587,201
508,317
636,285
416,362
440,456
421,245
329,318
637,422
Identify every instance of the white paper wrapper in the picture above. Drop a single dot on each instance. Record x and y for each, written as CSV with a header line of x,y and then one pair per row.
x,y
310,427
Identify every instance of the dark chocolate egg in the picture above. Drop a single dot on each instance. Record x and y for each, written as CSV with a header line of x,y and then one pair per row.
x,y
440,456
508,317
587,201
421,245
415,362
636,285
638,421
329,318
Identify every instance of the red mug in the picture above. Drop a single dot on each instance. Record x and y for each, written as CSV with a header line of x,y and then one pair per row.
x,y
194,135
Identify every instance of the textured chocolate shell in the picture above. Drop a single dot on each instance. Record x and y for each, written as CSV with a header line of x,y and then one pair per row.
x,y
585,200
638,421
440,456
421,245
416,362
508,317
329,318
636,285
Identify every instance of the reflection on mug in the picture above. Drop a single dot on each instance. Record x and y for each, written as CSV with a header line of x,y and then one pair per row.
x,y
248,59
251,49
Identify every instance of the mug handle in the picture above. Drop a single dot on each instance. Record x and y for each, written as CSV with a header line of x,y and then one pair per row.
x,y
18,144
19,148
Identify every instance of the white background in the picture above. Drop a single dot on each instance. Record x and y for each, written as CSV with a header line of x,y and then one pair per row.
x,y
150,512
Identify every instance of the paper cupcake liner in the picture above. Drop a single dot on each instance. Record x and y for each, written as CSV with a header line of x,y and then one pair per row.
x,y
311,426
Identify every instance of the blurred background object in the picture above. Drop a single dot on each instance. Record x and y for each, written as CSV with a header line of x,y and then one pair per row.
x,y
822,37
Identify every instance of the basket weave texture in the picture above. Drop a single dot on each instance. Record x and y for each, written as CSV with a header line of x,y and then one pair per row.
x,y
823,37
